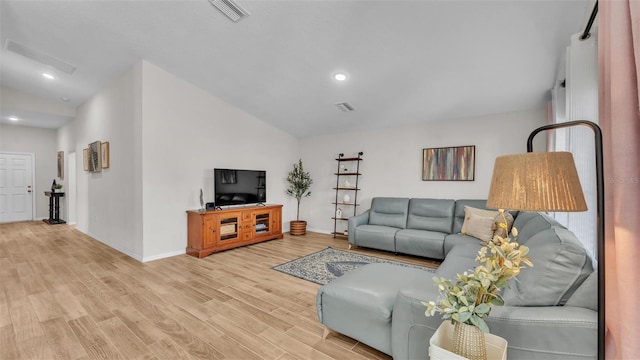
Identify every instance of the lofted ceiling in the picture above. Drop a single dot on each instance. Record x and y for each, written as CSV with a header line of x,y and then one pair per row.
x,y
407,62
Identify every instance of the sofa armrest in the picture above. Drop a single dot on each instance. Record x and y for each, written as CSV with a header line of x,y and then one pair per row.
x,y
550,332
354,222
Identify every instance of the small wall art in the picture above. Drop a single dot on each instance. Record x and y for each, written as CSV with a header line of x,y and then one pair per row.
x,y
105,154
449,163
85,159
95,157
61,164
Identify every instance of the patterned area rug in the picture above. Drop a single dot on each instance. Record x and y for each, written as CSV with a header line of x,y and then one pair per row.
x,y
325,265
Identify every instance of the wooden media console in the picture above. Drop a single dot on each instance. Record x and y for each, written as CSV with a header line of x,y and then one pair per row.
x,y
216,230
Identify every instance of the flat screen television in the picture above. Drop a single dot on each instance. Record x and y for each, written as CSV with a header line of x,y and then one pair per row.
x,y
239,187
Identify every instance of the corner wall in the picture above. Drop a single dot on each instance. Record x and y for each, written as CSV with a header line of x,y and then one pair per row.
x,y
186,133
108,205
166,136
392,164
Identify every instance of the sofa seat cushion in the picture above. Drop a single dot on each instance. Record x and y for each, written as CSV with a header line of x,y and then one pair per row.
x,y
360,303
462,258
452,240
421,243
376,236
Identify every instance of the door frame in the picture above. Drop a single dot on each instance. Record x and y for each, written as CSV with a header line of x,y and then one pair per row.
x,y
33,178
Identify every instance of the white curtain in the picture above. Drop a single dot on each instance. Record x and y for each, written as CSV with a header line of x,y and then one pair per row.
x,y
578,100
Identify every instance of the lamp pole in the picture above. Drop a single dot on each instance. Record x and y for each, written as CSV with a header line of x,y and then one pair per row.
x,y
599,214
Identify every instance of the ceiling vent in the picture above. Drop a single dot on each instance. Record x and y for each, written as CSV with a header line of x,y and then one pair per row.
x,y
230,9
346,107
39,57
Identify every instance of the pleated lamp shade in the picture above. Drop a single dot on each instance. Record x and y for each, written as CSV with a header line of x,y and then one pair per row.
x,y
536,181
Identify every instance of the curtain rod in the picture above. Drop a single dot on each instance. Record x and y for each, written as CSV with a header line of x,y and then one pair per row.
x,y
586,34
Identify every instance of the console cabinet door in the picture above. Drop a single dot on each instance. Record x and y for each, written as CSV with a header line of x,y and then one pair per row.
x,y
276,222
229,227
209,228
261,223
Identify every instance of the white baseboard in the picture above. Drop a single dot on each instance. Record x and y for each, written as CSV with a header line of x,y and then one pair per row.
x,y
136,256
165,255
114,246
321,231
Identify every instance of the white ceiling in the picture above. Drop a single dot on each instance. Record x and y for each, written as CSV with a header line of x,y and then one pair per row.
x,y
408,62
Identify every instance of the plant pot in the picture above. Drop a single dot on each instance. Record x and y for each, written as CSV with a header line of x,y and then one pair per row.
x,y
469,342
298,227
442,344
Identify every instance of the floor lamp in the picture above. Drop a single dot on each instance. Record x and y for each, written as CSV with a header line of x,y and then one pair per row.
x,y
548,181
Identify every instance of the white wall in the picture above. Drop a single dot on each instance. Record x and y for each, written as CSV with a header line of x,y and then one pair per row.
x,y
166,137
41,143
109,203
392,164
186,133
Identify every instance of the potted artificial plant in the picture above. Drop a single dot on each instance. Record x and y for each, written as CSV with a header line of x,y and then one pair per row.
x,y
299,184
469,299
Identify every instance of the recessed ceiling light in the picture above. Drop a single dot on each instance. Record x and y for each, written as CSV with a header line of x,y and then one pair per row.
x,y
13,118
65,99
48,76
340,77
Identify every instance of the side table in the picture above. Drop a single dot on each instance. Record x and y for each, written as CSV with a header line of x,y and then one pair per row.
x,y
54,208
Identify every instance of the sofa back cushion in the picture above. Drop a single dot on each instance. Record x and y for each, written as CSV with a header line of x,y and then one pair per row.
x,y
531,223
560,266
431,214
387,211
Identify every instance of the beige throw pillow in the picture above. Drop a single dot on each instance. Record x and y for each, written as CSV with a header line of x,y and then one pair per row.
x,y
498,220
480,227
468,211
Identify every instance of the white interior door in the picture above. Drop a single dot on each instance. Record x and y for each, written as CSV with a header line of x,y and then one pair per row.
x,y
16,187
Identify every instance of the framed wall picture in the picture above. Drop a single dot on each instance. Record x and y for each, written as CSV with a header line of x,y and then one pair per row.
x,y
61,164
95,157
449,163
105,154
85,159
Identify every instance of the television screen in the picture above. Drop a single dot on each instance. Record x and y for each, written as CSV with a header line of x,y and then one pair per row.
x,y
239,187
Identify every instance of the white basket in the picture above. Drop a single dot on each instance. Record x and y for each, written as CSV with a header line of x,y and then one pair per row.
x,y
442,340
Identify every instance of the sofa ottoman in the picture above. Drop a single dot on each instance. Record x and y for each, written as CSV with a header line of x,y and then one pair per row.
x,y
364,299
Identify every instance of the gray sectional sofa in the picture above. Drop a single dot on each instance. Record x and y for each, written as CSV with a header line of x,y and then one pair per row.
x,y
550,310
422,227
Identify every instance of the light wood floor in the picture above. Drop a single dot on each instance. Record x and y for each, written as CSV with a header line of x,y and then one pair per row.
x,y
64,295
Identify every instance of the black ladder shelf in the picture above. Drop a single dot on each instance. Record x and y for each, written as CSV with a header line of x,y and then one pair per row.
x,y
343,189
